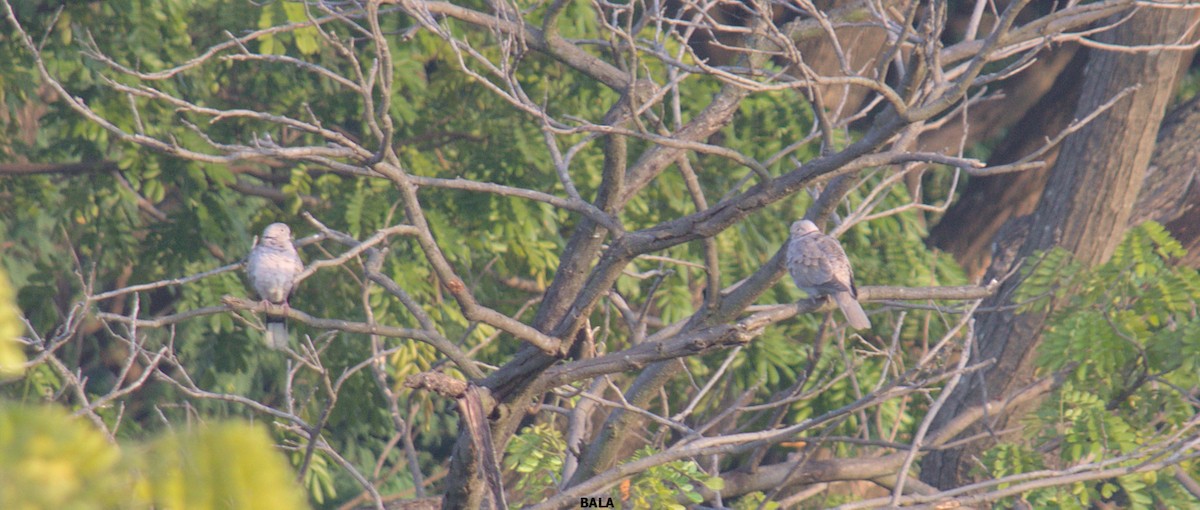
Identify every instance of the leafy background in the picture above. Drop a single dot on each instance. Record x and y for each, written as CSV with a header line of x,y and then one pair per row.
x,y
1123,323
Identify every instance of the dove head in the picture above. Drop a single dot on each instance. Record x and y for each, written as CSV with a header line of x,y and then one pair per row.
x,y
277,234
803,227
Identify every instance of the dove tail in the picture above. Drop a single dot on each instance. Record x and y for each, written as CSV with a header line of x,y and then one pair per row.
x,y
277,334
853,311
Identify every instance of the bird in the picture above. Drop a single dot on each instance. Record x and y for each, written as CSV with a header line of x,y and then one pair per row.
x,y
819,266
272,266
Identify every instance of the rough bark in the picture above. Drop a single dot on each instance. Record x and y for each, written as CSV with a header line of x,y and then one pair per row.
x,y
1086,205
1171,195
970,227
1045,91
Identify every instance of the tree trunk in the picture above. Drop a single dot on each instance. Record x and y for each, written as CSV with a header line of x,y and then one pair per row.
x,y
1085,208
969,226
972,224
1171,193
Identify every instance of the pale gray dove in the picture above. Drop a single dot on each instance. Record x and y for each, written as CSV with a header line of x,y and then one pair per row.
x,y
819,267
272,267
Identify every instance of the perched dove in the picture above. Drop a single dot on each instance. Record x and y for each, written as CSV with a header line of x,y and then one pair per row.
x,y
272,267
819,267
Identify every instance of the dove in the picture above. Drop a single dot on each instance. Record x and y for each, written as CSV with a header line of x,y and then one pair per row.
x,y
819,267
272,267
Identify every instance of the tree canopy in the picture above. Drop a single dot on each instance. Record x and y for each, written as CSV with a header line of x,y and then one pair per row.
x,y
545,243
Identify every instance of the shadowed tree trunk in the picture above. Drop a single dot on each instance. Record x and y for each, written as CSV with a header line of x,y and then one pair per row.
x,y
1086,206
970,227
1171,195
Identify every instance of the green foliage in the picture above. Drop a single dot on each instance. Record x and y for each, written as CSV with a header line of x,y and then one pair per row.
x,y
219,466
56,227
279,13
51,460
755,501
447,125
318,479
664,485
536,454
1125,324
1008,459
12,359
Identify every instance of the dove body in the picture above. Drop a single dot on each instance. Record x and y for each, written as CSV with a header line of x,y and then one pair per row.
x,y
272,267
819,266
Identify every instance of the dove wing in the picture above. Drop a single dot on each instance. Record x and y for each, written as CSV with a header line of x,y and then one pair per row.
x,y
819,266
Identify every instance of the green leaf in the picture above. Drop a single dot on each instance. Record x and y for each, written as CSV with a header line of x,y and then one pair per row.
x,y
230,465
51,460
306,38
12,358
269,44
537,453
